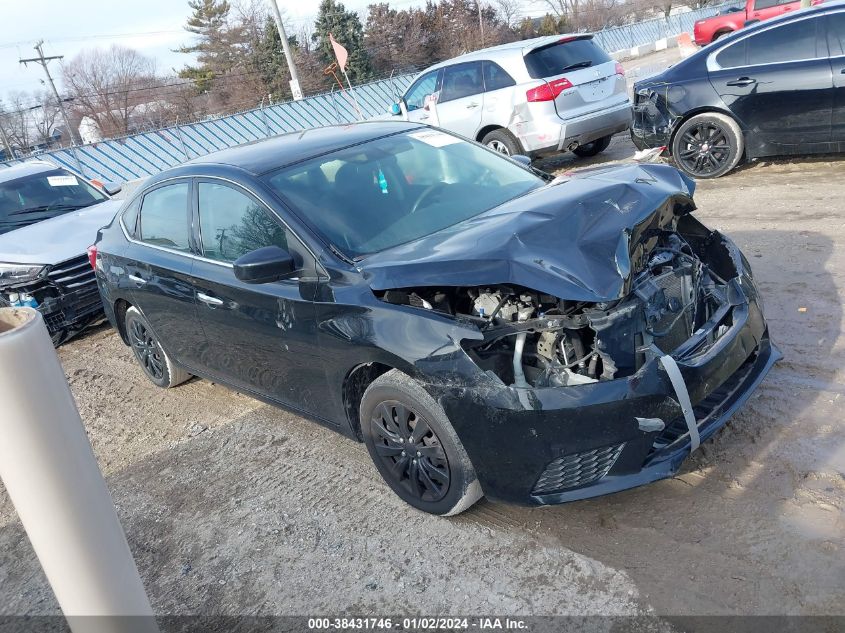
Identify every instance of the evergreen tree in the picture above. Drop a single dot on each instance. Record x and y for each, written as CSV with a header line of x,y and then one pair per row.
x,y
345,26
216,47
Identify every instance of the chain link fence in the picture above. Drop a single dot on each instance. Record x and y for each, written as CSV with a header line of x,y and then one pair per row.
x,y
140,155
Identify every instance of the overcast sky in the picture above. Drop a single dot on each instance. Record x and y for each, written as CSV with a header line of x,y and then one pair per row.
x,y
153,27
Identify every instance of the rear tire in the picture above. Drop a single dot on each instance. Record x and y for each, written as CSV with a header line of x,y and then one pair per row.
x,y
415,448
157,365
503,142
708,145
592,148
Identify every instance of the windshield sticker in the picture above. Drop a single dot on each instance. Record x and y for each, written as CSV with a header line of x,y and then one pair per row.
x,y
434,138
62,181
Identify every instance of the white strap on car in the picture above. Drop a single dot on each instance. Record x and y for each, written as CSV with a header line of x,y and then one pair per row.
x,y
680,387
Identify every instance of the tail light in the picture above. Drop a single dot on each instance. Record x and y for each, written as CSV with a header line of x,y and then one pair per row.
x,y
620,69
548,91
92,256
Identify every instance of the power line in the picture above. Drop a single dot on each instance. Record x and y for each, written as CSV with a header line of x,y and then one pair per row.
x,y
43,61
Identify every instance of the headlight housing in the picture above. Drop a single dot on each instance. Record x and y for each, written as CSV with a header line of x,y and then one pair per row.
x,y
11,274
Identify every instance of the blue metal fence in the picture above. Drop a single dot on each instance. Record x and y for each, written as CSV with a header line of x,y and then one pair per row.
x,y
145,154
628,36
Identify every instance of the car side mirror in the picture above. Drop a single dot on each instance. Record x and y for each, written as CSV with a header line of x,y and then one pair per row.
x,y
522,159
395,109
264,265
112,189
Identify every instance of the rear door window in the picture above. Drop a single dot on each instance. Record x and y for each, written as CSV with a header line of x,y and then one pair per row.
x,y
836,34
556,59
795,41
495,77
461,80
164,217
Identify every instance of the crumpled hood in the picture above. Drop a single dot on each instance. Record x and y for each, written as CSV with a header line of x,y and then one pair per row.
x,y
57,239
582,240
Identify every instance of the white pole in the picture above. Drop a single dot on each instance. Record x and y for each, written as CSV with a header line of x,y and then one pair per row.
x,y
352,92
51,474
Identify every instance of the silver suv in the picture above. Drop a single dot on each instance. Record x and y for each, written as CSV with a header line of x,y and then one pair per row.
x,y
536,97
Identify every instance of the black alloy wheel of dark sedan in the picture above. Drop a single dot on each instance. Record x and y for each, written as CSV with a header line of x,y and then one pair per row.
x,y
411,450
149,353
708,145
146,350
414,446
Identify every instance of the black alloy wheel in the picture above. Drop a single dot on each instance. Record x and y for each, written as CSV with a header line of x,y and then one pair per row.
x,y
149,353
146,350
707,145
414,446
411,450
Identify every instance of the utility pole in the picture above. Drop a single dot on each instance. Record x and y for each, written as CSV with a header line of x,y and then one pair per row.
x,y
43,61
6,145
480,22
294,77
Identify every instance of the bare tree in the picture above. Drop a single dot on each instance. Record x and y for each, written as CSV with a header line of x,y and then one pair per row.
x,y
45,117
110,86
509,11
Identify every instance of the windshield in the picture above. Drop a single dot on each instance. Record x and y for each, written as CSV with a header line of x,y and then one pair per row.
x,y
42,196
397,189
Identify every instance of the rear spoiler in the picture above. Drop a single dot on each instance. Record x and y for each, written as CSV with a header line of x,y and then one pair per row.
x,y
553,40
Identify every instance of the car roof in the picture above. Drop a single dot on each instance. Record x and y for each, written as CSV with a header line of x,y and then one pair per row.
x,y
520,47
789,16
29,168
265,155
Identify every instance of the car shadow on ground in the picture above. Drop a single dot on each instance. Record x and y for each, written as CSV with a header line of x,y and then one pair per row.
x,y
751,521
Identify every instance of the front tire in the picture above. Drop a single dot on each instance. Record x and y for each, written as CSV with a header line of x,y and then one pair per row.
x,y
708,145
415,448
503,142
592,148
152,358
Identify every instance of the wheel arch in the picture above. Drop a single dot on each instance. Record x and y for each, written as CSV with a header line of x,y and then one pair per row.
x,y
354,385
120,307
486,130
725,30
702,110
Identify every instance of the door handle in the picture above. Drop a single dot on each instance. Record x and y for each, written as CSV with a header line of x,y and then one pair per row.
x,y
138,280
742,81
423,118
472,105
209,300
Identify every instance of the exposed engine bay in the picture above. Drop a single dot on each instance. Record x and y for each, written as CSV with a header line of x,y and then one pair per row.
x,y
535,340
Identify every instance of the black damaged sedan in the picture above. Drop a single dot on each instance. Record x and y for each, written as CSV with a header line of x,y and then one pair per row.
x,y
483,328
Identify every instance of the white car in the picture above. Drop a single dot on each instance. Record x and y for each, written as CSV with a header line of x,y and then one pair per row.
x,y
48,218
536,97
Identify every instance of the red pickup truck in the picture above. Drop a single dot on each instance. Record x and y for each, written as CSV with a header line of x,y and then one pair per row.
x,y
711,29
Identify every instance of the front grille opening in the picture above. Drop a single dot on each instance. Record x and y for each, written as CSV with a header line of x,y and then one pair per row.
x,y
709,409
577,469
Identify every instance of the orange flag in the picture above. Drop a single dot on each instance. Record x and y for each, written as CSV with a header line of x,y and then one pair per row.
x,y
339,52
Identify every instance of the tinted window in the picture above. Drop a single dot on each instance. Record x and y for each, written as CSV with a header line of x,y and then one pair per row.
x,y
461,80
768,4
789,42
550,61
233,224
164,217
836,33
495,77
422,88
130,216
42,196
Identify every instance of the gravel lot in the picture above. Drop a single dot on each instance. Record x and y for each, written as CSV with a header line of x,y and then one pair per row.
x,y
235,507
